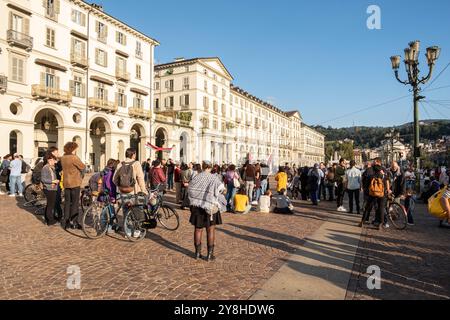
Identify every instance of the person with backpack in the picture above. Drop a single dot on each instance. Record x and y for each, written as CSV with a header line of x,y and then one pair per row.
x,y
5,173
379,188
73,169
129,177
340,190
50,183
103,181
353,186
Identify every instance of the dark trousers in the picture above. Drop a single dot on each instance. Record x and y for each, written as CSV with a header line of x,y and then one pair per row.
x,y
304,193
58,208
353,194
340,195
380,209
314,195
330,192
408,202
170,181
71,204
50,208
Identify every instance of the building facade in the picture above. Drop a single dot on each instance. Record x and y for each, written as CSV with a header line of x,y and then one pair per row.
x,y
71,72
202,115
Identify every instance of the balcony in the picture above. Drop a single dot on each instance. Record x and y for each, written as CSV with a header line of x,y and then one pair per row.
x,y
3,84
19,39
53,94
140,113
122,75
78,60
103,105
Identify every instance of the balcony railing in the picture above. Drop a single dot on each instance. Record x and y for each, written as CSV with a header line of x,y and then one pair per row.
x,y
103,105
19,39
78,59
122,75
3,84
43,92
139,112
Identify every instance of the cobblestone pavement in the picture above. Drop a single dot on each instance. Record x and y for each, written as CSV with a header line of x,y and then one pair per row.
x,y
415,263
249,249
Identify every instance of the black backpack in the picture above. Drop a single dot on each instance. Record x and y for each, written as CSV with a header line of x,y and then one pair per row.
x,y
36,175
124,179
313,179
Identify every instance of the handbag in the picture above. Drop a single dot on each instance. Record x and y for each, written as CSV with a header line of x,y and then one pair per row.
x,y
236,183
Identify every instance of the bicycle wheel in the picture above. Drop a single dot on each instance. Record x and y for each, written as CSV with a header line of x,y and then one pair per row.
x,y
95,221
168,217
32,193
133,226
397,215
86,200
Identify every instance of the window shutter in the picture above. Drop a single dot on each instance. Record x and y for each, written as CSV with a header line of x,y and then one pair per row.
x,y
57,6
96,56
72,87
105,95
106,59
124,40
117,36
57,83
83,91
105,33
26,26
181,100
97,27
83,19
42,78
117,98
96,93
44,3
83,49
73,15
10,20
124,100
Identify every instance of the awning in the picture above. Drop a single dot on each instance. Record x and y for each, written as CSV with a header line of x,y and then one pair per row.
x,y
50,64
79,35
123,54
139,91
102,80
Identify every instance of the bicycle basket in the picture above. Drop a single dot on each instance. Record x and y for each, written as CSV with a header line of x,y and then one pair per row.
x,y
150,224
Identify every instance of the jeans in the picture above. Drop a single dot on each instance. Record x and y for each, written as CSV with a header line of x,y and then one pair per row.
x,y
15,181
263,186
408,205
249,186
353,194
170,181
231,192
71,205
50,195
314,194
340,195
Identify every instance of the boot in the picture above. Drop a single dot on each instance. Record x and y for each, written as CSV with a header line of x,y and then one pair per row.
x,y
198,251
210,256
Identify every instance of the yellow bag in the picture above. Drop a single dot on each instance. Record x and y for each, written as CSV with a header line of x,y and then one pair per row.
x,y
435,206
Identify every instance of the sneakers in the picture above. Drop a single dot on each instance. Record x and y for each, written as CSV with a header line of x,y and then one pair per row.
x,y
2,193
445,224
254,203
21,195
137,234
12,195
341,209
386,225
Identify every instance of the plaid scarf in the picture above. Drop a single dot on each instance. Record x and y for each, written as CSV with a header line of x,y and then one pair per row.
x,y
204,190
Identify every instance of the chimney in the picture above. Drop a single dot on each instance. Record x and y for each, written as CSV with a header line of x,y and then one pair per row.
x,y
97,6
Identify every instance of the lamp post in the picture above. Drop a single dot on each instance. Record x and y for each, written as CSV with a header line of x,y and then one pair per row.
x,y
414,80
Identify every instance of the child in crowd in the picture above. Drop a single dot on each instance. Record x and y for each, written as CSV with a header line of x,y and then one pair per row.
x,y
264,202
241,202
284,205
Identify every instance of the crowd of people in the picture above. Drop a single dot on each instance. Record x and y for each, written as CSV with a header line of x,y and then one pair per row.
x,y
209,190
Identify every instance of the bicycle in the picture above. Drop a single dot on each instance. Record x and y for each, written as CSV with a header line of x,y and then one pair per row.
x,y
87,198
100,217
146,212
34,194
396,213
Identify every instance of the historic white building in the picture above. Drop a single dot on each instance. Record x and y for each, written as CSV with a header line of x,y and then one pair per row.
x,y
71,72
203,115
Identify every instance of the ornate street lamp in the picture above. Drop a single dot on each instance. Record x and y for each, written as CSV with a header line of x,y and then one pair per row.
x,y
412,69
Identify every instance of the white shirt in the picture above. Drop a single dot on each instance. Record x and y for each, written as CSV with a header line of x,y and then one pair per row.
x,y
353,176
264,204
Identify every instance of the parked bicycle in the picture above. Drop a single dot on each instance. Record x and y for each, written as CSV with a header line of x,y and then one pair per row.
x,y
396,213
146,212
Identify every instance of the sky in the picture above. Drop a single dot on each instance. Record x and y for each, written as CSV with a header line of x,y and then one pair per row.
x,y
318,57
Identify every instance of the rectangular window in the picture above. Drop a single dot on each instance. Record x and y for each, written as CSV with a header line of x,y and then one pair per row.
x,y
215,89
78,17
215,124
139,50
121,98
50,38
100,92
184,100
77,86
138,72
121,38
171,102
156,85
169,85
205,102
101,58
17,69
50,78
205,86
185,83
52,8
138,102
102,31
157,103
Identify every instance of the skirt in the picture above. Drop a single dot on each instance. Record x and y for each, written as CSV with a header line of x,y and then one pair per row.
x,y
201,219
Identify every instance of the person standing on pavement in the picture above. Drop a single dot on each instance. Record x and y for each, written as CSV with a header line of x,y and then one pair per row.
x,y
397,178
177,180
264,178
329,183
314,177
157,176
304,183
5,173
186,177
50,183
339,178
323,188
232,179
170,174
379,189
249,179
15,177
353,186
72,170
204,197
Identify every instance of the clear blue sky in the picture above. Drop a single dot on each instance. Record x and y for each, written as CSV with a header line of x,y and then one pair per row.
x,y
317,57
